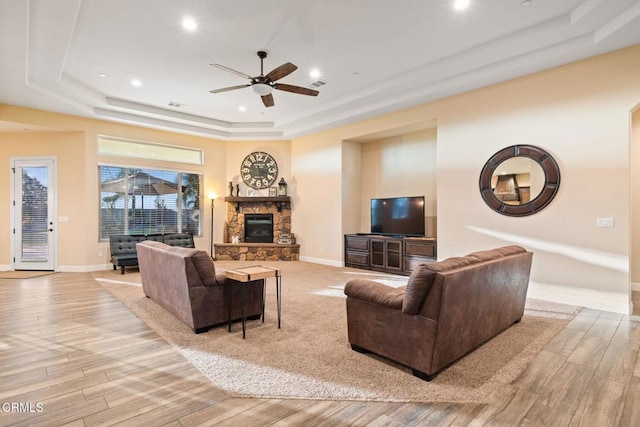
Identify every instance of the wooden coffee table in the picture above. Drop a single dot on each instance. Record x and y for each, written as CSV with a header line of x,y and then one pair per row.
x,y
243,275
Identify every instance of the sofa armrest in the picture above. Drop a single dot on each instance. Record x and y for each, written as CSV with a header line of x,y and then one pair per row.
x,y
374,292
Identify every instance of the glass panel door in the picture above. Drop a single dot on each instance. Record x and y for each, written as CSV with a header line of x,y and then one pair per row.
x,y
33,214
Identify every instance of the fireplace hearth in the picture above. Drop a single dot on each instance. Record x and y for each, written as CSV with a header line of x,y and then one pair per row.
x,y
258,228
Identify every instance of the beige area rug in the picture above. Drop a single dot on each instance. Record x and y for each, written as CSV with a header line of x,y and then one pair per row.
x,y
23,274
310,357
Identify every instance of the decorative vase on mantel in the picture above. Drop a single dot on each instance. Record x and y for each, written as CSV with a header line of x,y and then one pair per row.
x,y
237,190
230,189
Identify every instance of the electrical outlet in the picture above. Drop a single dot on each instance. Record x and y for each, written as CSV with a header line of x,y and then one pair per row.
x,y
100,253
605,223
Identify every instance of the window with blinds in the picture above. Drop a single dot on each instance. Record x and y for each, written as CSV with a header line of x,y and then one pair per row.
x,y
147,201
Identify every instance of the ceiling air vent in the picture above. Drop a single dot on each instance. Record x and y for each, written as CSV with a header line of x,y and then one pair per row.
x,y
317,83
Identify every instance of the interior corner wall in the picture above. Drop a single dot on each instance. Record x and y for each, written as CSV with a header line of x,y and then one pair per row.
x,y
635,197
403,165
578,112
73,141
316,214
238,150
68,149
351,186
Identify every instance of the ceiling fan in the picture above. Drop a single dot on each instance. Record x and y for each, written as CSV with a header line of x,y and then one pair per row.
x,y
264,85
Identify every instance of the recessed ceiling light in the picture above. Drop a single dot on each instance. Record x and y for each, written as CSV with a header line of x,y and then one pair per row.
x,y
189,24
242,108
525,2
461,4
136,83
102,74
315,73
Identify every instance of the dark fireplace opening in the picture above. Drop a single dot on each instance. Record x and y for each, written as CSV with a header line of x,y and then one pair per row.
x,y
258,228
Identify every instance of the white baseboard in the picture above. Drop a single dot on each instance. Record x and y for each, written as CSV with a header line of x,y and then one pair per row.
x,y
83,268
322,261
71,268
616,302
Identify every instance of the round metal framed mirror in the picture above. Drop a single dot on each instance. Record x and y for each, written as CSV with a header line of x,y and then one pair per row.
x,y
519,180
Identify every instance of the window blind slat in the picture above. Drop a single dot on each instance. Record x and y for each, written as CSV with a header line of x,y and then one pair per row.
x,y
148,201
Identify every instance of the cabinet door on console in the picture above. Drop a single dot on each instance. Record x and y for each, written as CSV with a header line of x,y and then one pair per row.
x,y
357,242
356,253
386,254
418,251
425,248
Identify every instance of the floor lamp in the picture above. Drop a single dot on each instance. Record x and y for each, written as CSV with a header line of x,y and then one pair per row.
x,y
213,197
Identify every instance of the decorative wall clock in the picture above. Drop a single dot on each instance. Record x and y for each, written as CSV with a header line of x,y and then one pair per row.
x,y
259,170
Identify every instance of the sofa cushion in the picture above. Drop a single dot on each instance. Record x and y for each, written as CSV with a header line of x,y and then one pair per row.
x,y
417,289
421,280
184,240
124,243
200,267
155,237
206,267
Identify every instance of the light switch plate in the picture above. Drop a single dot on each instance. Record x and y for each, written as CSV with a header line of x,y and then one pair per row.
x,y
605,223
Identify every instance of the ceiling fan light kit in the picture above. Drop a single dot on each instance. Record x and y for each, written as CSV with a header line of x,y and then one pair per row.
x,y
262,89
264,85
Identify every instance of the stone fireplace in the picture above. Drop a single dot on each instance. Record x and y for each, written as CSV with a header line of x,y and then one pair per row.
x,y
259,211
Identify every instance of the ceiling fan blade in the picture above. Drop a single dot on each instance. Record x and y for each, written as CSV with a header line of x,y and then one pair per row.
x,y
296,89
226,89
231,70
267,100
282,71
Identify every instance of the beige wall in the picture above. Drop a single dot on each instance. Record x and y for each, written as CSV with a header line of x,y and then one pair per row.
x,y
584,122
635,198
580,114
316,216
238,150
351,187
68,149
73,141
398,166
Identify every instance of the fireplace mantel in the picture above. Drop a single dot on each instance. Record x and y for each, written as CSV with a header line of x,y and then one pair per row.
x,y
278,200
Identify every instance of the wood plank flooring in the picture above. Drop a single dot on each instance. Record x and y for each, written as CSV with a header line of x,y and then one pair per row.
x,y
71,354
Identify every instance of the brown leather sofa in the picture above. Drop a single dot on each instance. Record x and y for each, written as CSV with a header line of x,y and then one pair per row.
x,y
186,283
446,310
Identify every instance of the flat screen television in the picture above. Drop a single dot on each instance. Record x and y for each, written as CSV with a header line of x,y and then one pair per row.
x,y
402,216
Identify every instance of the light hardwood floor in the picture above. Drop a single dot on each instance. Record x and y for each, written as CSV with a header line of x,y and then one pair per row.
x,y
68,345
